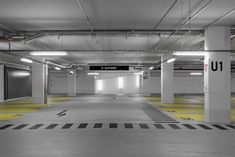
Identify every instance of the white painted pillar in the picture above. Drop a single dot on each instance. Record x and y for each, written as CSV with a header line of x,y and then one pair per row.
x,y
72,90
167,80
39,83
1,83
217,75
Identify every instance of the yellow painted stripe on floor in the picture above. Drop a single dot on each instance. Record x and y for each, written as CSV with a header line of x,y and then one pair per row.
x,y
23,105
184,110
19,110
187,110
10,116
14,109
194,117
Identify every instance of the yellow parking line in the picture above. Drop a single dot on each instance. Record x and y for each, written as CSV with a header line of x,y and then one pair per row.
x,y
186,108
10,116
17,108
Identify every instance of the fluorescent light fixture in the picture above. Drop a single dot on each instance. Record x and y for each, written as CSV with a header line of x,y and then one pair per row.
x,y
120,82
190,53
99,85
92,73
138,73
57,68
48,53
197,73
71,72
170,60
26,60
151,68
137,81
21,74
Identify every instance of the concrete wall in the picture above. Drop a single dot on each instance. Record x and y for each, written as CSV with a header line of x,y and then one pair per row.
x,y
85,84
58,83
181,85
110,83
1,83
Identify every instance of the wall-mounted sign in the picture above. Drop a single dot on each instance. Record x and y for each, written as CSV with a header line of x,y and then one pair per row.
x,y
216,65
109,68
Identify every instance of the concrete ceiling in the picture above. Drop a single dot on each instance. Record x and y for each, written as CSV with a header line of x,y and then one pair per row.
x,y
110,31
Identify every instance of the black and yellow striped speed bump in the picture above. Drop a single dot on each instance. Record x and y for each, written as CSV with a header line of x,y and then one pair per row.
x,y
127,126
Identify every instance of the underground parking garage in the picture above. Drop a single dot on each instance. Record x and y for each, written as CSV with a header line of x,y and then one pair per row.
x,y
117,78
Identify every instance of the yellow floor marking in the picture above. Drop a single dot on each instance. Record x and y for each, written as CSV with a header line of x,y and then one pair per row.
x,y
195,117
10,116
186,108
12,110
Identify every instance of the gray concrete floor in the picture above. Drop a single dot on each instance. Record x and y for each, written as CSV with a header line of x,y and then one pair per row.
x,y
106,141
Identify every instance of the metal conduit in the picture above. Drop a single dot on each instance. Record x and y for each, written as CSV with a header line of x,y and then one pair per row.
x,y
186,22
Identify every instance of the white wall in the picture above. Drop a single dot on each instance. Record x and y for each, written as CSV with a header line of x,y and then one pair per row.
x,y
183,83
58,83
85,84
110,83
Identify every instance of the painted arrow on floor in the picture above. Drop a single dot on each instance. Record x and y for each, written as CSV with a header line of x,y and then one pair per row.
x,y
63,113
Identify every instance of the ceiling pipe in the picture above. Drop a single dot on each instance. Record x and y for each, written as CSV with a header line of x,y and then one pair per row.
x,y
122,33
219,18
89,24
163,17
34,37
186,22
47,62
211,23
6,28
166,13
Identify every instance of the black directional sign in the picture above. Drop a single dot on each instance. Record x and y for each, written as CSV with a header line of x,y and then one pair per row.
x,y
109,68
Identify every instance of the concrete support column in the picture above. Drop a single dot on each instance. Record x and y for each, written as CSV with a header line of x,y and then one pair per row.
x,y
72,80
217,75
167,80
1,83
39,83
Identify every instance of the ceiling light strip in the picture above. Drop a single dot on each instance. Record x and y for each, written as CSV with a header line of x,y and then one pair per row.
x,y
48,53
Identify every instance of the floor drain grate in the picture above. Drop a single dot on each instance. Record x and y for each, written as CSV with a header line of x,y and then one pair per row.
x,y
174,126
143,126
113,125
52,126
98,125
20,126
67,126
6,126
82,125
231,126
189,126
36,126
159,126
204,126
128,125
219,127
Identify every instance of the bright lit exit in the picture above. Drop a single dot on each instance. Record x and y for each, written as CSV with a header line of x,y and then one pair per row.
x,y
137,81
120,82
100,85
